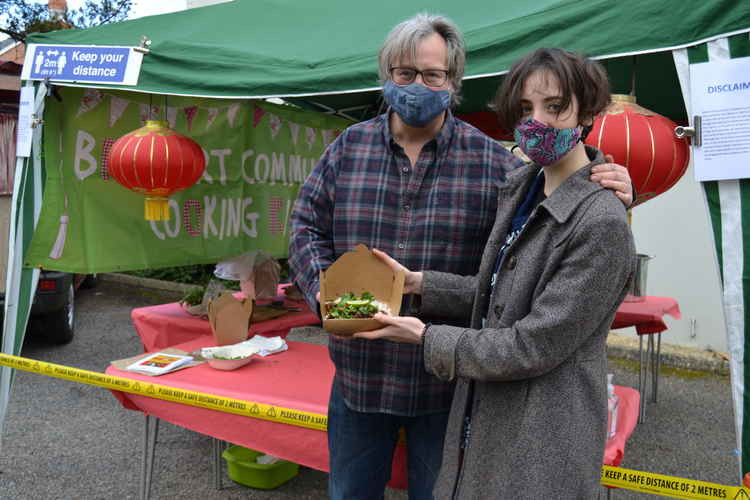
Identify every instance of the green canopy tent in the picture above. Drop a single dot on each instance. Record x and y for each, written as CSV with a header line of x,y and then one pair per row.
x,y
324,52
322,56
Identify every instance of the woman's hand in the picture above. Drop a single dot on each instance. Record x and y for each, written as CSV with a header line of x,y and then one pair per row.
x,y
412,280
397,328
615,177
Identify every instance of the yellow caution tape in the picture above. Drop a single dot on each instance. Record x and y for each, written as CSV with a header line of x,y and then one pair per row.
x,y
617,477
210,401
669,486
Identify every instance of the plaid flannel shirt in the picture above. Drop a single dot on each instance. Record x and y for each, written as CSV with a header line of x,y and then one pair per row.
x,y
436,215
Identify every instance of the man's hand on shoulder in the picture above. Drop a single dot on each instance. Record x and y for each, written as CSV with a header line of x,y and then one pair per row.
x,y
615,177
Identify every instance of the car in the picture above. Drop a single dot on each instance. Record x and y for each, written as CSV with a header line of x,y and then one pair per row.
x,y
52,315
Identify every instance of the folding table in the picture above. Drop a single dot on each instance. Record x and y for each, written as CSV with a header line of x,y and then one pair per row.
x,y
647,316
299,379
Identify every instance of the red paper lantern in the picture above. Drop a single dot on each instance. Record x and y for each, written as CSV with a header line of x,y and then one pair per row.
x,y
643,142
486,121
156,161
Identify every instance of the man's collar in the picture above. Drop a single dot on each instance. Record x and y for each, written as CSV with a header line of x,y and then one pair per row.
x,y
443,138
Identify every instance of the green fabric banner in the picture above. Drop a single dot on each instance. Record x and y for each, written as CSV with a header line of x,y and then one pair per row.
x,y
257,156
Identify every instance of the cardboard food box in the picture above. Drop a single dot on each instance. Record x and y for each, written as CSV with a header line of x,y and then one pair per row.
x,y
229,318
357,272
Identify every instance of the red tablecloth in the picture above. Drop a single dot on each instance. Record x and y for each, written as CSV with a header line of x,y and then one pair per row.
x,y
166,325
299,378
627,419
647,316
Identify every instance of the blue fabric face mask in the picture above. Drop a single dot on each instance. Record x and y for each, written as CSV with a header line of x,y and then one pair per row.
x,y
416,104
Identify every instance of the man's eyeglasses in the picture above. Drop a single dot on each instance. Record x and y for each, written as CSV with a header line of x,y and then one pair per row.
x,y
430,77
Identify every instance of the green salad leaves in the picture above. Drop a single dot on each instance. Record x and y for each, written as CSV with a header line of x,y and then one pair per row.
x,y
349,306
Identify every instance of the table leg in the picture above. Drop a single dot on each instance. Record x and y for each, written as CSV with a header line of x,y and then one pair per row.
x,y
218,446
658,366
652,362
641,381
150,431
144,459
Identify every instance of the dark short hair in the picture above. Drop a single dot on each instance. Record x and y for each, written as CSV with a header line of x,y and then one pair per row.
x,y
578,76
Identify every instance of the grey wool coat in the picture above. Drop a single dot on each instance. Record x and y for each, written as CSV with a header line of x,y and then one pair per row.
x,y
539,406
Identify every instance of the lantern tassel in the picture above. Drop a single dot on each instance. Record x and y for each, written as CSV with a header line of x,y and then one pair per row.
x,y
156,209
62,232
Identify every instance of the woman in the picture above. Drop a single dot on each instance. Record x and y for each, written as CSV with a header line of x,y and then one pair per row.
x,y
530,408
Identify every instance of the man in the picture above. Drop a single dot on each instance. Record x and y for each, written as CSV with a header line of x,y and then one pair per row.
x,y
420,185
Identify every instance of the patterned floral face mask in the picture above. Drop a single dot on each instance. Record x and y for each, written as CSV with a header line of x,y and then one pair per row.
x,y
545,145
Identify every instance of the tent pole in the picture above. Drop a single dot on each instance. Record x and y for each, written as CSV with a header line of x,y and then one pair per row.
x,y
729,201
332,111
21,282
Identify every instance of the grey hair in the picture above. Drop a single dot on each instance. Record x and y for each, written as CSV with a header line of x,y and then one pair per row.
x,y
401,43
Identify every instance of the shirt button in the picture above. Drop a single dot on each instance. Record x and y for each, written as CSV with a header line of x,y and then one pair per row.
x,y
401,246
499,310
511,264
407,207
405,170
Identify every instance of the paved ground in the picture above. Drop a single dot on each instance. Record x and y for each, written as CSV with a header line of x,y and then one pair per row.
x,y
63,440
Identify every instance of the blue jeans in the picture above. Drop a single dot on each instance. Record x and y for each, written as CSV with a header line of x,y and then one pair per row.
x,y
361,449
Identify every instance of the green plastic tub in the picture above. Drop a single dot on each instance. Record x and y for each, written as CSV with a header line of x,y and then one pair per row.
x,y
243,469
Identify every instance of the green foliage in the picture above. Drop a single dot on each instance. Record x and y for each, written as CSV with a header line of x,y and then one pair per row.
x,y
95,13
284,273
194,297
199,274
228,358
22,17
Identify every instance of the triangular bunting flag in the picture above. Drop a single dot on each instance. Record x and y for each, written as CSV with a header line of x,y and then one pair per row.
x,y
91,98
275,125
258,113
310,136
294,127
329,136
232,113
144,113
190,112
116,109
172,116
149,112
